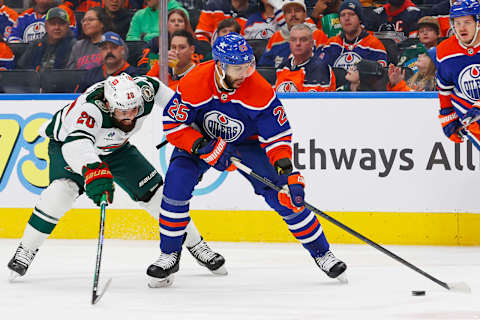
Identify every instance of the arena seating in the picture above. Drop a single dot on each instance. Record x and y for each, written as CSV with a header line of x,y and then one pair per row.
x,y
135,49
18,49
258,46
268,73
194,15
340,74
60,81
19,81
392,50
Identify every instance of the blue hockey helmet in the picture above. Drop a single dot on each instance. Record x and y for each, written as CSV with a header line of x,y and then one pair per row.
x,y
235,56
461,8
232,49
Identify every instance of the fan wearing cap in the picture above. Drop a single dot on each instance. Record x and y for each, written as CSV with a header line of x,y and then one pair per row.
x,y
401,14
30,25
428,31
53,49
354,43
114,61
278,48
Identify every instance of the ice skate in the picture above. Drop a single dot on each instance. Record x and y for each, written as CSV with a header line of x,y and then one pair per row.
x,y
333,267
20,261
208,258
161,273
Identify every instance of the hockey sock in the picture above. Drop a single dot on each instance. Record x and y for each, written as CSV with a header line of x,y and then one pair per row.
x,y
307,229
32,237
54,201
174,218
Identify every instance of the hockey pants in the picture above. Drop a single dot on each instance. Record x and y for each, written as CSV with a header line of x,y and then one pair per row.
x,y
183,175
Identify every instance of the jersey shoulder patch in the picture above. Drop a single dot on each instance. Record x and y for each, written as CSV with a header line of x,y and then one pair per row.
x,y
146,81
197,85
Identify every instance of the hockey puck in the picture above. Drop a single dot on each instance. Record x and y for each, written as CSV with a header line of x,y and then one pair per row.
x,y
418,293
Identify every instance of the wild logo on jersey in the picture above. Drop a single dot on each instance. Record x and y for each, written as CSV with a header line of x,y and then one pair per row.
x,y
469,81
345,60
34,31
287,86
217,124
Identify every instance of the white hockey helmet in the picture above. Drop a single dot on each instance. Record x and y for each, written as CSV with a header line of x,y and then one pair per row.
x,y
123,93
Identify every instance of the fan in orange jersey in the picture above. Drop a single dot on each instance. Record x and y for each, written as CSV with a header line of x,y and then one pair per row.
x,y
218,10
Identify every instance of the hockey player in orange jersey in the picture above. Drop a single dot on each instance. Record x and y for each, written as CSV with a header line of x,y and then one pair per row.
x,y
224,108
458,74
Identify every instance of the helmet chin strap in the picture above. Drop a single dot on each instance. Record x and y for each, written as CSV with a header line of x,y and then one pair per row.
x,y
221,78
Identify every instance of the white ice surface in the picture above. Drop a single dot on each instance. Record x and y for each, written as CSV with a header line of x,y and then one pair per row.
x,y
265,281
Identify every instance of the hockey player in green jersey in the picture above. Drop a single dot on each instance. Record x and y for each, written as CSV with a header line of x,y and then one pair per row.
x,y
89,150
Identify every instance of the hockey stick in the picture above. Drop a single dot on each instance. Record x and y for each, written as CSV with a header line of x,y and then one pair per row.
x,y
162,144
460,286
97,296
465,132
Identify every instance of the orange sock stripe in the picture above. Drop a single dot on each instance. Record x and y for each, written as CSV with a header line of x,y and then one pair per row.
x,y
172,224
307,231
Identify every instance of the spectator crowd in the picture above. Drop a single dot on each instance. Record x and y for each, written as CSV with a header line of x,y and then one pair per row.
x,y
299,45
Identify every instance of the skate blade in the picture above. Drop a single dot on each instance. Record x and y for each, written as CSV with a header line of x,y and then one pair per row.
x,y
222,271
160,282
13,276
342,278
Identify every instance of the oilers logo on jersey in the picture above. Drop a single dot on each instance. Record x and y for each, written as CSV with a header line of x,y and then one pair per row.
x,y
217,124
287,86
469,81
34,31
345,60
266,33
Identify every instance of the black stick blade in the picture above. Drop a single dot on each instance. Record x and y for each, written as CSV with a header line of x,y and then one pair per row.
x,y
96,297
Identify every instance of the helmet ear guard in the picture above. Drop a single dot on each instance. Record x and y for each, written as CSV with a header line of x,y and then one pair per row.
x,y
123,93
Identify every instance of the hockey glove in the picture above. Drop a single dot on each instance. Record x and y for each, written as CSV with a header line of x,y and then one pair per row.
x,y
98,180
451,124
216,152
470,119
292,195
